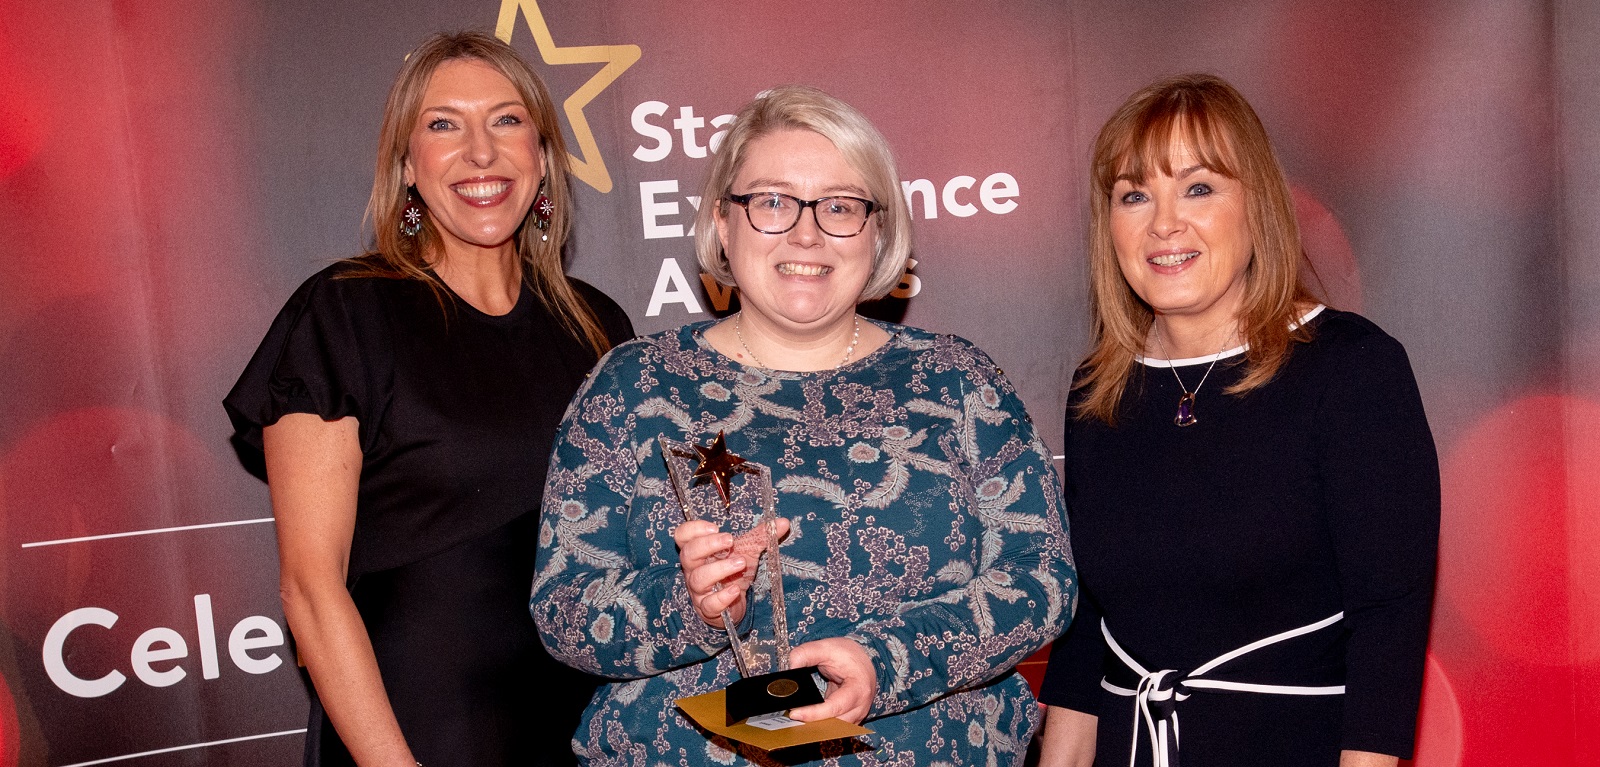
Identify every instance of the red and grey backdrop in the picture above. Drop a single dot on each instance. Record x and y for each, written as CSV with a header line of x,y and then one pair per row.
x,y
171,169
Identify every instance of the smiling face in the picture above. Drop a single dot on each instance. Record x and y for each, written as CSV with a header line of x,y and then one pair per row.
x,y
1183,241
804,279
474,157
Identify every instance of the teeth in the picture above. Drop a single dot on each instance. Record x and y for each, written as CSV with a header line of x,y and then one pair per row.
x,y
806,270
481,190
1174,259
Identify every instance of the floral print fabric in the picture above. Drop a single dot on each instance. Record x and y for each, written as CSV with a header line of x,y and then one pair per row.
x,y
926,525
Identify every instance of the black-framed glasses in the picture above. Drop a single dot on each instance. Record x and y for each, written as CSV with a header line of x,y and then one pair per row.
x,y
776,213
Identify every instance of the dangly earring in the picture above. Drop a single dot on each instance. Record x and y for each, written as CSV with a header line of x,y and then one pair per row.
x,y
543,209
411,215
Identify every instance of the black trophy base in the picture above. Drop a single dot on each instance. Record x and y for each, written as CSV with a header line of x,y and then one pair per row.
x,y
764,694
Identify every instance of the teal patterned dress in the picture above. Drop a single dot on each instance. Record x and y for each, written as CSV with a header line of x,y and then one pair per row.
x,y
926,525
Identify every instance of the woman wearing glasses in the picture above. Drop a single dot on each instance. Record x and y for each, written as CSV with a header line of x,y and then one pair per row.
x,y
925,552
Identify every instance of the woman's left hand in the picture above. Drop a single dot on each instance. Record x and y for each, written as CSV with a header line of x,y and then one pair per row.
x,y
852,682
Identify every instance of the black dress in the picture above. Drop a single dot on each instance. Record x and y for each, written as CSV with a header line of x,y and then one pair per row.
x,y
1314,495
457,412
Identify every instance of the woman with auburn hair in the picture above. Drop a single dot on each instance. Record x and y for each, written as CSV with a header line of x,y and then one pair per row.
x,y
405,401
925,553
1250,478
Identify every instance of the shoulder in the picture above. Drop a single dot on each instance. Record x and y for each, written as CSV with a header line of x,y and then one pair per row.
x,y
335,295
1354,363
1342,325
645,350
947,348
612,317
1339,336
947,354
347,281
681,338
637,369
596,298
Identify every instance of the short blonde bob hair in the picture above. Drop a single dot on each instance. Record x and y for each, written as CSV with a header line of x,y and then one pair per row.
x,y
800,107
1215,122
395,254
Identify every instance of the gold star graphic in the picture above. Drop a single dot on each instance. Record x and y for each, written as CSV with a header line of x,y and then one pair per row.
x,y
591,168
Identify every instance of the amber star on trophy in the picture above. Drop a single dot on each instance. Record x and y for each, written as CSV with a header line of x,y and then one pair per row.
x,y
717,465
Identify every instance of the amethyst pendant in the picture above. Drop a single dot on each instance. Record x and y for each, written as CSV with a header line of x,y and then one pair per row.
x,y
1185,415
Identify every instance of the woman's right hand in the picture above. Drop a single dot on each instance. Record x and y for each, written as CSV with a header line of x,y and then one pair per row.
x,y
1068,739
715,570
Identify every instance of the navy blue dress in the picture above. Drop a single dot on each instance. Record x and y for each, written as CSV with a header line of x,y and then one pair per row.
x,y
1314,495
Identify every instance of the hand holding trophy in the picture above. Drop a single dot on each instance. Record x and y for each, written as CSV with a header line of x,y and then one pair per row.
x,y
715,560
729,544
743,505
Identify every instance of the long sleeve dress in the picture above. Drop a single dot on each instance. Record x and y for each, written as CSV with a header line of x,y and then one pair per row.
x,y
457,412
926,525
1314,496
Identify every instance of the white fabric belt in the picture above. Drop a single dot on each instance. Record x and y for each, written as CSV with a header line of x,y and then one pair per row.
x,y
1156,698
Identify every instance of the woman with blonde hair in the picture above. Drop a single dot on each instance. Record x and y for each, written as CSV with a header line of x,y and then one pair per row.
x,y
1250,478
925,553
406,400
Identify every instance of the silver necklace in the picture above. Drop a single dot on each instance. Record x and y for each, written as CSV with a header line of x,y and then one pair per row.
x,y
738,332
1185,416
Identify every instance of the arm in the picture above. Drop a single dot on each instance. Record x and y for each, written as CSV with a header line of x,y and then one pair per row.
x,y
313,467
1016,593
601,605
1071,690
1380,478
1069,738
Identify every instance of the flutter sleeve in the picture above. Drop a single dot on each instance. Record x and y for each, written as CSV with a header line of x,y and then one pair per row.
x,y
602,603
321,355
1380,478
982,621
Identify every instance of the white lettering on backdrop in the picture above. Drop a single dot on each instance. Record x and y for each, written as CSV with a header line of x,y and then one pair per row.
x,y
161,646
663,217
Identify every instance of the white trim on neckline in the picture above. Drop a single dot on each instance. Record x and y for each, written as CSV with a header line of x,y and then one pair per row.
x,y
1224,354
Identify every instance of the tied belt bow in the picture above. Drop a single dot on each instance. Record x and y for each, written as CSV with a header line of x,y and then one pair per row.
x,y
1156,698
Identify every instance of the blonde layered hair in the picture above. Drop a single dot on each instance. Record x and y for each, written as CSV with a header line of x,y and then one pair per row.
x,y
397,255
1215,122
800,107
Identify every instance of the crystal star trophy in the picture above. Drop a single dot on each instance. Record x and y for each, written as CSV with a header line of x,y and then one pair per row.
x,y
736,495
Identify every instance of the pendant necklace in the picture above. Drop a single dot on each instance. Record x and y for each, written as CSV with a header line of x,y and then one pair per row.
x,y
855,338
1185,416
